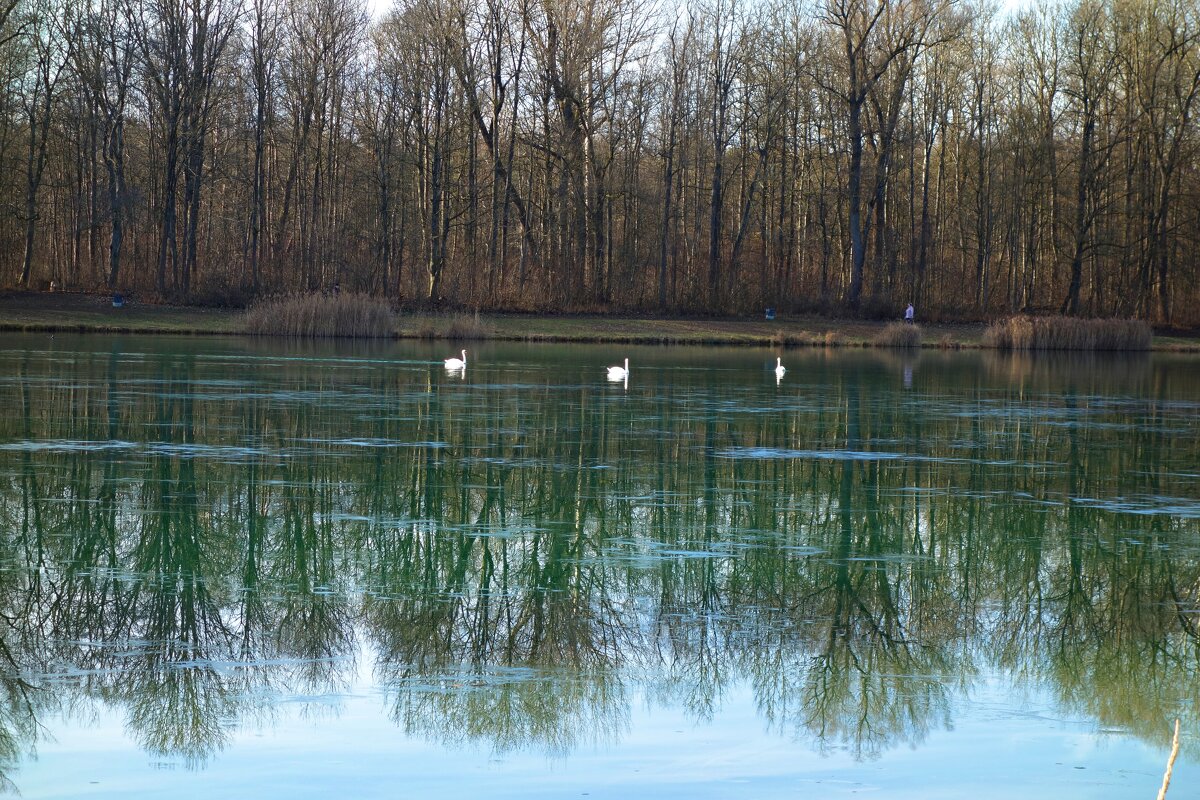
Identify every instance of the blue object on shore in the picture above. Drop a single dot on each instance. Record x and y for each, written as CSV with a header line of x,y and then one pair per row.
x,y
118,300
770,313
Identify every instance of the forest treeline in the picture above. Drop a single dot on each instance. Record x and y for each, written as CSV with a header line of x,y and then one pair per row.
x,y
720,155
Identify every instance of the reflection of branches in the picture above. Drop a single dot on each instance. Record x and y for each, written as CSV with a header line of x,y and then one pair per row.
x,y
507,546
534,601
1091,638
179,711
316,632
699,663
542,658
853,672
420,644
872,692
18,716
510,709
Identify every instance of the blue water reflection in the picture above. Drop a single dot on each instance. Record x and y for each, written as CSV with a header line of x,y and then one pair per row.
x,y
233,568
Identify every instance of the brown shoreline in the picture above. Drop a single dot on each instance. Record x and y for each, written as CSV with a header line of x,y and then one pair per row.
x,y
45,312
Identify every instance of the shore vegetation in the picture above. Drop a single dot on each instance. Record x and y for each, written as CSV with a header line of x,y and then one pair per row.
x,y
899,334
1067,333
316,315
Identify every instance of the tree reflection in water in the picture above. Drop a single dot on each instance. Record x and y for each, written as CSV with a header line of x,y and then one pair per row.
x,y
191,535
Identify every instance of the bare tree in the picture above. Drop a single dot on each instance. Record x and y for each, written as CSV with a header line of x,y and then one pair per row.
x,y
1090,68
103,59
383,117
878,39
725,27
1163,50
264,47
582,48
679,60
50,52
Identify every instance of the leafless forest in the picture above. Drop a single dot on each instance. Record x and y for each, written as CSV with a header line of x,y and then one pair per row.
x,y
720,156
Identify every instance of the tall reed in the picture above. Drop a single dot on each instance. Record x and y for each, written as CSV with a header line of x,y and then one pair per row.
x,y
1162,793
313,316
899,334
452,326
467,326
1067,333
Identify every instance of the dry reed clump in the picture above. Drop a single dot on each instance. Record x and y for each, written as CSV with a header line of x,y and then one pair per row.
x,y
832,339
899,334
428,329
787,339
313,316
452,326
466,326
1067,333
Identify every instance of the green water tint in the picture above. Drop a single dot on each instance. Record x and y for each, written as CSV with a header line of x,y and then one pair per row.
x,y
516,558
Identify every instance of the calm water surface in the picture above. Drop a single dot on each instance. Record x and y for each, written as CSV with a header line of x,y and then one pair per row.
x,y
233,569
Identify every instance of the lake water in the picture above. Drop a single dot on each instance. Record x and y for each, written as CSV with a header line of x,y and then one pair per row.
x,y
244,569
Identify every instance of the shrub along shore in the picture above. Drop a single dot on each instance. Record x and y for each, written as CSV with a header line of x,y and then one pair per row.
x,y
345,316
1068,333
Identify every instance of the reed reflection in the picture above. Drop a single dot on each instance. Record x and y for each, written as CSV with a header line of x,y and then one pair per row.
x,y
193,538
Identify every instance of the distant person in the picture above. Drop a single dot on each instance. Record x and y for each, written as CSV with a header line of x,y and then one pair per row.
x,y
910,314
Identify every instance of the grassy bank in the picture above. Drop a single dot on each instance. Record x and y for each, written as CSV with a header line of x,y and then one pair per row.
x,y
85,313
41,311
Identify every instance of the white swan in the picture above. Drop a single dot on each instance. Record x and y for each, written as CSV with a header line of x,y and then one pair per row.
x,y
457,363
619,373
779,368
